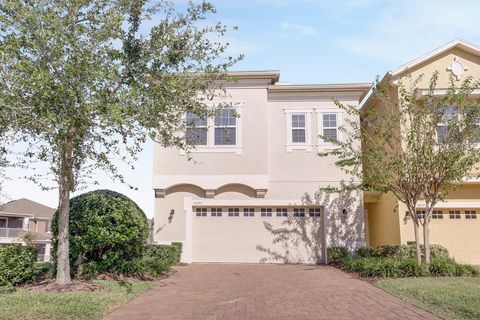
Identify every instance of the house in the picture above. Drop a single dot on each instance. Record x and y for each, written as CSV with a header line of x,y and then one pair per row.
x,y
21,217
252,193
455,223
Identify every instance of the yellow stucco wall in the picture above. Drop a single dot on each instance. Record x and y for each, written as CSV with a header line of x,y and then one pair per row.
x,y
460,236
383,227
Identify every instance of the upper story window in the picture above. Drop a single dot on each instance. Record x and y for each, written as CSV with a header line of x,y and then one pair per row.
x,y
443,130
220,133
197,129
225,127
298,128
329,121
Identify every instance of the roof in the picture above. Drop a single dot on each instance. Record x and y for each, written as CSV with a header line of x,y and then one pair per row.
x,y
271,75
27,207
390,75
330,87
457,43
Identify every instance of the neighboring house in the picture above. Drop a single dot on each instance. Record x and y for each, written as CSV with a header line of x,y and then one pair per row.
x,y
23,216
252,192
455,221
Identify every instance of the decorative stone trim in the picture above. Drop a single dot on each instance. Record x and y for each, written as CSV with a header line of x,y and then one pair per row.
x,y
261,193
159,193
209,193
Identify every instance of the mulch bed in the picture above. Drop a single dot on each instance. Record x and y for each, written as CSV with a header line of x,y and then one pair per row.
x,y
50,285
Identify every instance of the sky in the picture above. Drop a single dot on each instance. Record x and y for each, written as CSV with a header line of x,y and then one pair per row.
x,y
309,41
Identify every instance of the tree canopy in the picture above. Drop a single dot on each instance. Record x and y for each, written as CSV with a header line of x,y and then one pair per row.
x,y
86,82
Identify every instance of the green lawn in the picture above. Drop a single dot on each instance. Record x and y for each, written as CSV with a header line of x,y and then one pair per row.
x,y
26,305
449,298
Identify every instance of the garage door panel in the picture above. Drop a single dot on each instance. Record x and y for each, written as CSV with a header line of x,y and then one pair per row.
x,y
256,239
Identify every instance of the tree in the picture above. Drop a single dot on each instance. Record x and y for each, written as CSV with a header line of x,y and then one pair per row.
x,y
413,146
85,82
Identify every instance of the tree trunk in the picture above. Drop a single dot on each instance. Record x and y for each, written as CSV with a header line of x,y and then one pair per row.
x,y
418,254
426,240
65,186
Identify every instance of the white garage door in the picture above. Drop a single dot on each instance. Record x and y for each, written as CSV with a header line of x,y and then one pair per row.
x,y
258,235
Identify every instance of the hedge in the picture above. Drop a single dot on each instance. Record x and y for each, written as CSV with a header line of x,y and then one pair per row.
x,y
398,261
17,264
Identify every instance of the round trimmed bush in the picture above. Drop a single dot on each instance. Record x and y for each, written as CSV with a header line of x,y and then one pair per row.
x,y
106,229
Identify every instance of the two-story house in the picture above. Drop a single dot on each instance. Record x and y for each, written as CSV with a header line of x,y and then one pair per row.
x,y
252,192
455,222
23,217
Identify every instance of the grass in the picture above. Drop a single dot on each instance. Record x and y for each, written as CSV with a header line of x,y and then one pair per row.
x,y
26,305
449,297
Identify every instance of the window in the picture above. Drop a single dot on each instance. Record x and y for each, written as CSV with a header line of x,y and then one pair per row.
x,y
196,129
216,212
329,126
233,212
443,132
282,212
201,212
266,212
299,212
420,214
454,214
436,214
248,212
470,214
225,127
314,212
298,128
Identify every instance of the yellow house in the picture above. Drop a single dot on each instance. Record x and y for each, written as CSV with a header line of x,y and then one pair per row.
x,y
456,224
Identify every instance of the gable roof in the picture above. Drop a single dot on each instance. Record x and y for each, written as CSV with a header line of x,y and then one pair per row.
x,y
390,75
457,43
27,207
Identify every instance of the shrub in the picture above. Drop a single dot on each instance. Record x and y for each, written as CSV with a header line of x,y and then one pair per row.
x,y
409,251
383,267
169,253
366,252
336,253
396,251
44,269
17,264
107,230
449,268
438,252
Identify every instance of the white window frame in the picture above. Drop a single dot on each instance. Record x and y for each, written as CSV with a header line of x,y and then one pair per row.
x,y
307,145
322,144
210,147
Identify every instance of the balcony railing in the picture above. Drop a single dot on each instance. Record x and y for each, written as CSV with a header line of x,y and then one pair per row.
x,y
11,232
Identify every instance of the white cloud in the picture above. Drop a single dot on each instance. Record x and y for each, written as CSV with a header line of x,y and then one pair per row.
x,y
298,28
403,30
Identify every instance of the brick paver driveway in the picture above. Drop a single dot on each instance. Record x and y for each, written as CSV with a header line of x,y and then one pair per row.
x,y
243,291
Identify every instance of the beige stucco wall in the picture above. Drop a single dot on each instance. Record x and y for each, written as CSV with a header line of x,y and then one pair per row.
x,y
294,176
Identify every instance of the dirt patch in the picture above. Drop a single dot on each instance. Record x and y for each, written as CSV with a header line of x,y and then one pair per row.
x,y
51,286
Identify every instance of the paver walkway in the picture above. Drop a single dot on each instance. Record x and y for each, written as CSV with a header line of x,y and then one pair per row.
x,y
244,291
